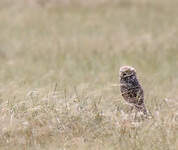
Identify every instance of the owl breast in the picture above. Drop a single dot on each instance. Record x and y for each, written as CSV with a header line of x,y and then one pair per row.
x,y
130,88
130,96
129,82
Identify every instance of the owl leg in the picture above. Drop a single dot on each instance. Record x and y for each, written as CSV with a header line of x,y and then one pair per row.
x,y
135,115
130,110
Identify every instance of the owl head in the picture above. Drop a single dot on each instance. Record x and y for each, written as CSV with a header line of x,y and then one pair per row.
x,y
126,71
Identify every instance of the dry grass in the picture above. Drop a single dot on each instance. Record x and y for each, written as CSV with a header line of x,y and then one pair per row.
x,y
59,66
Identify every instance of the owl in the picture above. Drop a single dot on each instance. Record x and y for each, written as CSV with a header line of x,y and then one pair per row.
x,y
131,89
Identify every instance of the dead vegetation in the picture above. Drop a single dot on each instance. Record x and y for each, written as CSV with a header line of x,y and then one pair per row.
x,y
59,74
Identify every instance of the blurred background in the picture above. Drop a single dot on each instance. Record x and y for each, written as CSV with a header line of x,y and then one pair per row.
x,y
49,46
75,41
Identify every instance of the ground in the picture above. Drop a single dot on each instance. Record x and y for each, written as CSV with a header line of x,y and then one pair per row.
x,y
59,66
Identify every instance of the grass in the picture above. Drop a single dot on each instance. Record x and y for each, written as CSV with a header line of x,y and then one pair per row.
x,y
59,65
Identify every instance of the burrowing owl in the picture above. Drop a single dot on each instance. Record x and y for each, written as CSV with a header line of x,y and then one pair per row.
x,y
130,88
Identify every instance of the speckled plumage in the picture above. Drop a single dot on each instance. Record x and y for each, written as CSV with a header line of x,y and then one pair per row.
x,y
131,90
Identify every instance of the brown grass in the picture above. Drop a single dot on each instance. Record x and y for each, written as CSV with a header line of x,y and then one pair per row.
x,y
59,74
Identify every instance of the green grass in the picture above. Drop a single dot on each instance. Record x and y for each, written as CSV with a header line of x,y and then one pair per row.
x,y
59,66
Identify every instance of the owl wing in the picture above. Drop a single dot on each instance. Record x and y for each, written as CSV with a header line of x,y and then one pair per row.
x,y
140,97
140,106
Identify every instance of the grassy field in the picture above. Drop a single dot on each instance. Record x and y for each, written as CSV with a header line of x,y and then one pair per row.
x,y
59,64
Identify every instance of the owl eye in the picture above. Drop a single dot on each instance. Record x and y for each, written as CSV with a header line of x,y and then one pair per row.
x,y
124,74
